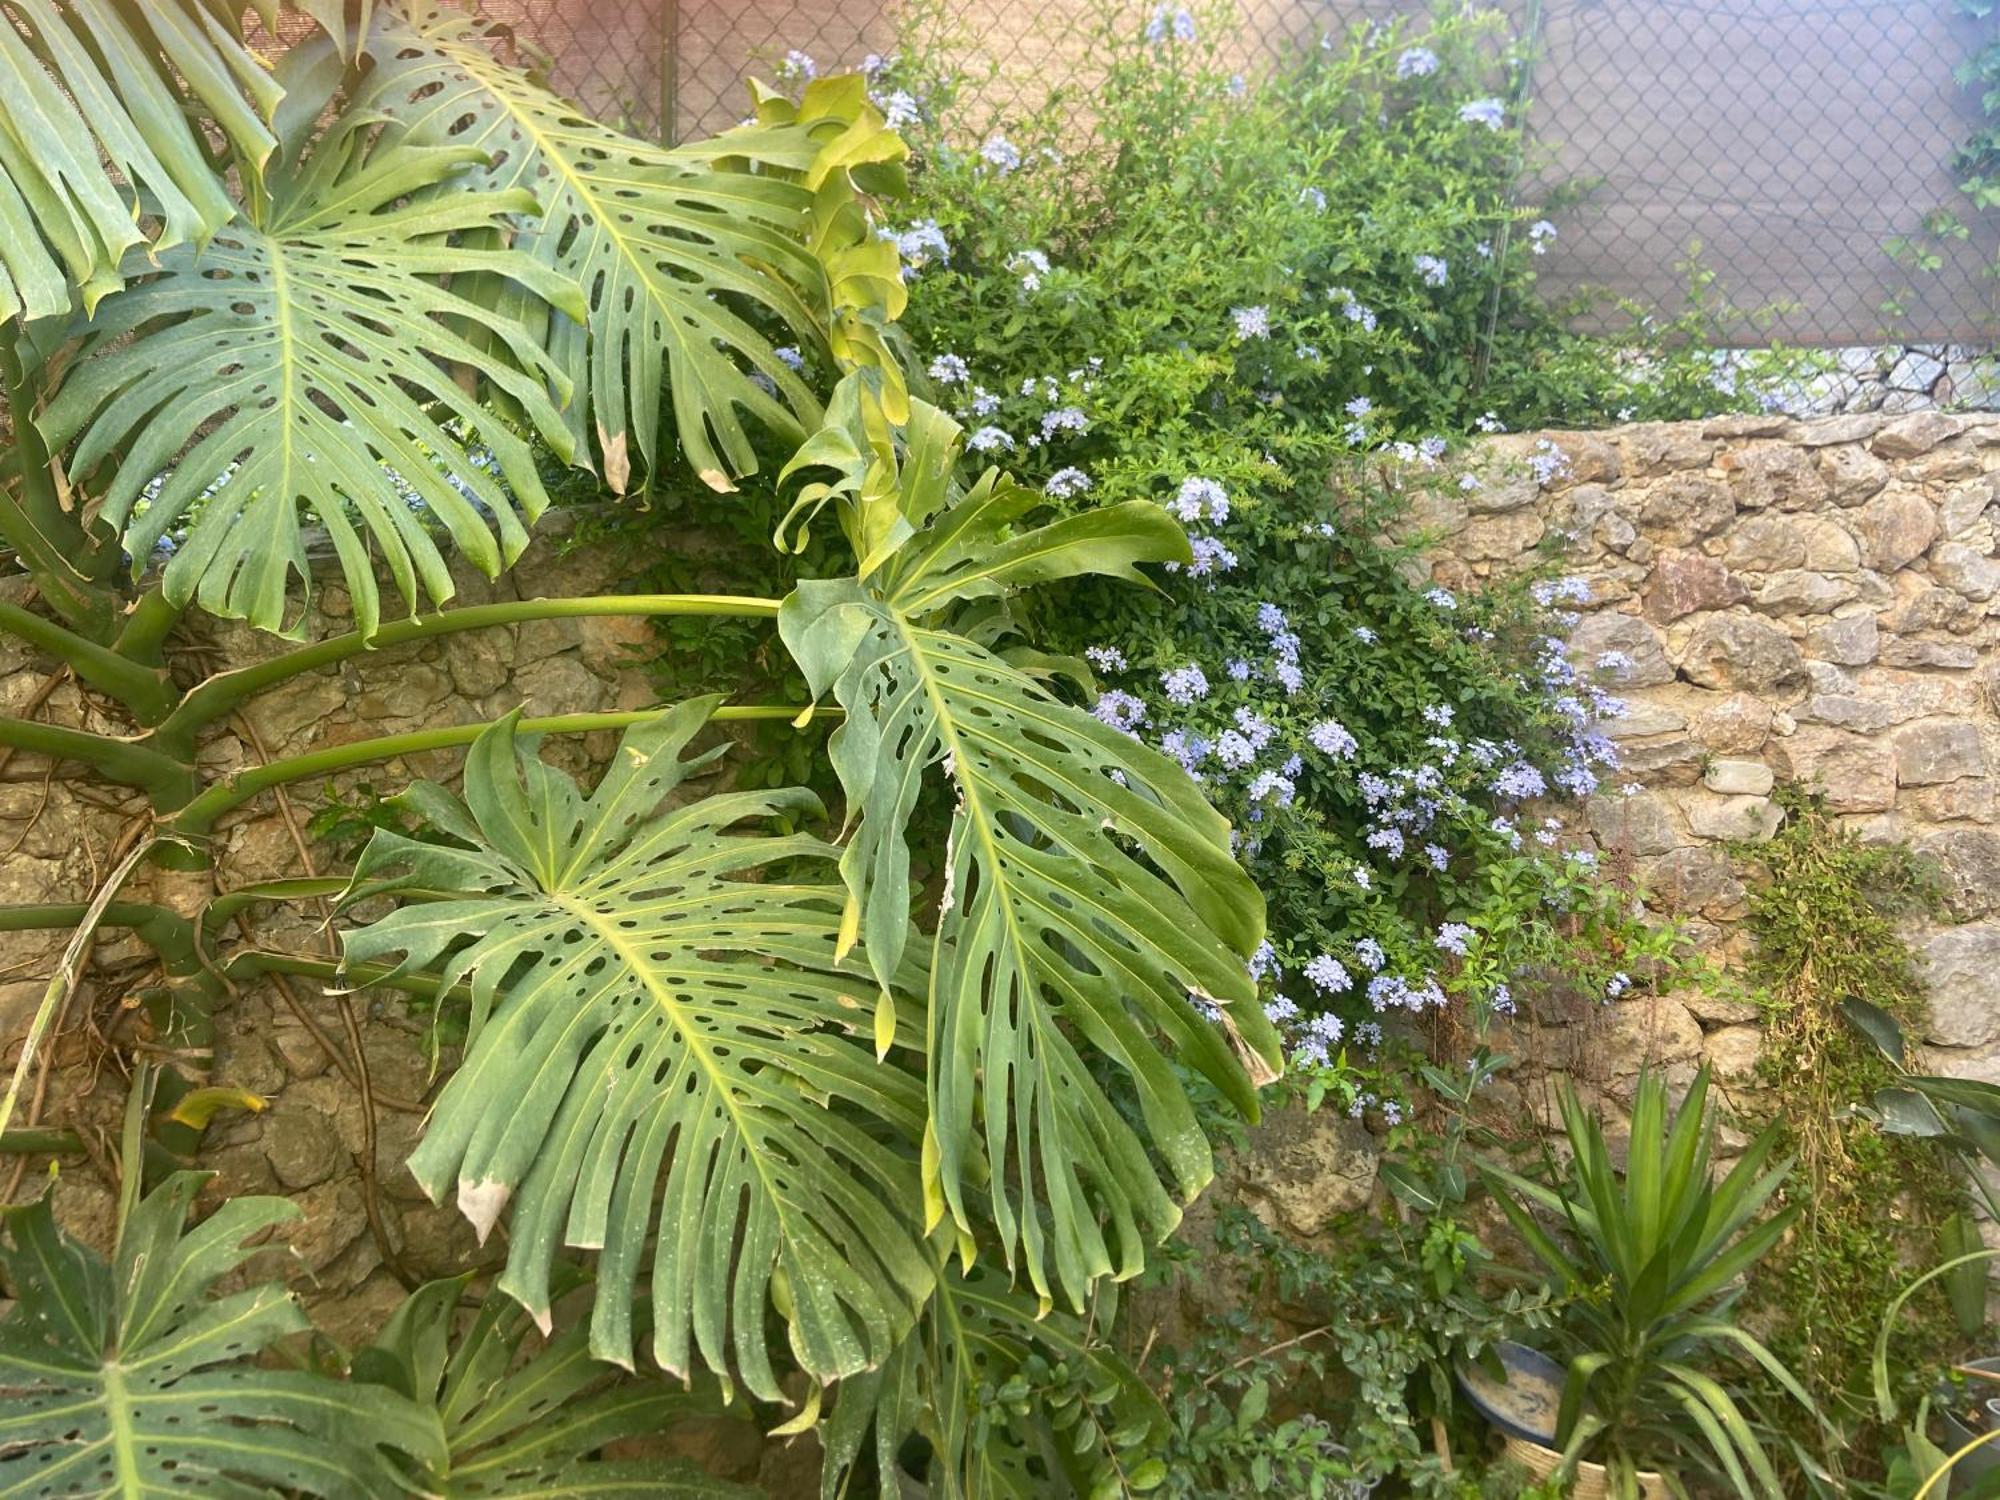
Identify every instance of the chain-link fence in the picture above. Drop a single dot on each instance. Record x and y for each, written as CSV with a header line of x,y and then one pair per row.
x,y
1796,149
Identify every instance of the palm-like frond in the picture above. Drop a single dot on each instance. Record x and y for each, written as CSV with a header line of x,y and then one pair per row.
x,y
659,1028
96,130
1091,898
1014,1403
519,1427
128,1380
673,247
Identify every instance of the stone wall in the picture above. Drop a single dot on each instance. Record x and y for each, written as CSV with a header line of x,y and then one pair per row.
x,y
1806,601
1814,601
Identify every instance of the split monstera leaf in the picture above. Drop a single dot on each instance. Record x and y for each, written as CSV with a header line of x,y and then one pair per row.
x,y
696,1028
395,208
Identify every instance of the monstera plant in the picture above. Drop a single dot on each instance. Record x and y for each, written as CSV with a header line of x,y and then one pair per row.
x,y
861,1114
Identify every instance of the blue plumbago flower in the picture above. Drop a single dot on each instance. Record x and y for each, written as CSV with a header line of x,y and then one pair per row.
x,y
1000,154
1292,766
1307,351
791,356
1488,112
1264,962
1198,499
1271,619
1371,955
1031,266
1273,786
1441,598
1364,635
1105,658
1438,856
1438,714
1417,62
1251,322
1362,876
1434,270
1455,938
1279,1009
1290,678
921,243
1328,975
758,378
1519,782
1121,710
1388,840
1552,591
1330,737
1255,730
1490,422
1186,747
1431,449
1360,406
1502,1000
873,63
1368,1034
1185,685
949,369
796,65
1548,462
899,109
1066,484
1234,750
1618,985
1210,556
1392,1112
1169,21
1385,990
1352,310
1539,234
1237,86
1471,482
1064,419
1239,669
1484,249
1314,197
984,402
989,440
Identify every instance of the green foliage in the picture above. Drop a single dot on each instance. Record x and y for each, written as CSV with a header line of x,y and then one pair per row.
x,y
522,1423
394,230
1827,915
1651,1261
130,1377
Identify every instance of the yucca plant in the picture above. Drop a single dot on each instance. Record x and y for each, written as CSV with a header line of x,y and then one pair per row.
x,y
1653,1260
822,1139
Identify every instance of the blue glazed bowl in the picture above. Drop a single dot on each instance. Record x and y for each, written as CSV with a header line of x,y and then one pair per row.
x,y
1525,1404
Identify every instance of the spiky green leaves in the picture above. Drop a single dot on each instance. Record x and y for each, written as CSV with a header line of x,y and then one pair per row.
x,y
129,1380
97,115
661,1037
1091,900
676,249
530,1425
313,358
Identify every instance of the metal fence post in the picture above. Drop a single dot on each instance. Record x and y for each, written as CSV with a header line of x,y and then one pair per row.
x,y
670,67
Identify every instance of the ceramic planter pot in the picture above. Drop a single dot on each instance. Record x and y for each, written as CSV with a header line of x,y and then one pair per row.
x,y
1591,1482
1980,1461
1523,1407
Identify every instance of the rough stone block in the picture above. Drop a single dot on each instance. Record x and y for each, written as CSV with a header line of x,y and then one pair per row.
x,y
1929,753
1958,967
1739,778
1737,652
1856,771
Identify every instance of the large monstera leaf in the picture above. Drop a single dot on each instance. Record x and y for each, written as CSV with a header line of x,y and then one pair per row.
x,y
313,356
129,1380
96,100
533,1425
1015,1403
659,1030
673,247
1090,897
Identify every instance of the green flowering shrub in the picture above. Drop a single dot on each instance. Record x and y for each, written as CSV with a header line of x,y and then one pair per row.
x,y
1229,294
